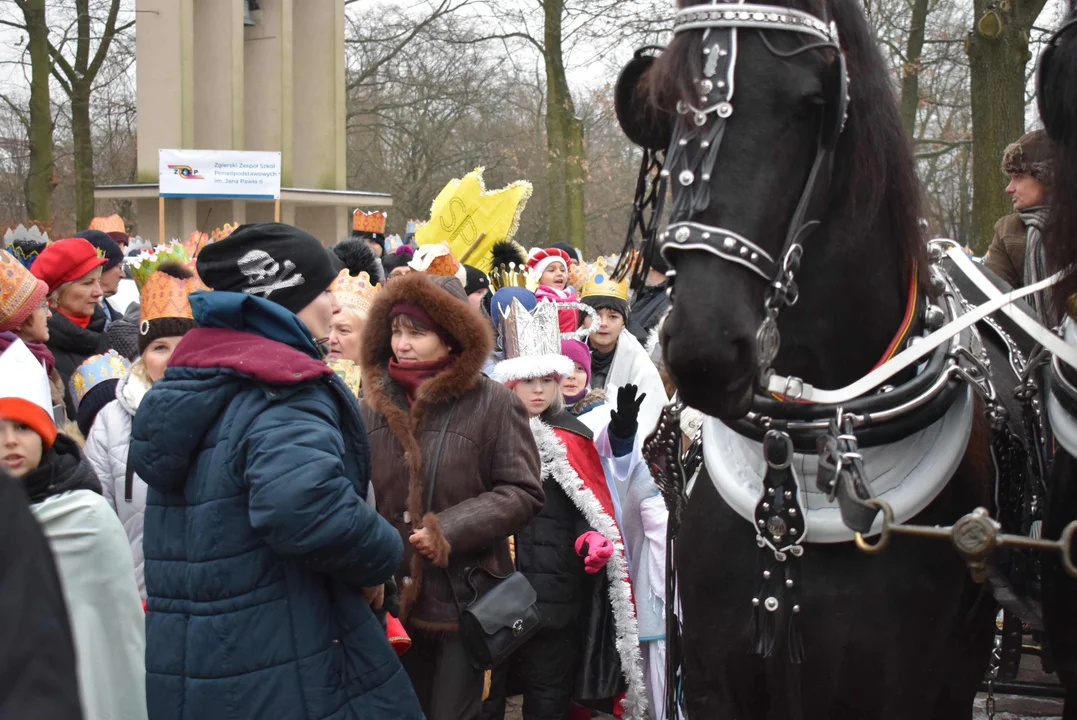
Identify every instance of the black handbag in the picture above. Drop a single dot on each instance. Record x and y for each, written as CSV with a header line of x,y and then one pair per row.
x,y
497,622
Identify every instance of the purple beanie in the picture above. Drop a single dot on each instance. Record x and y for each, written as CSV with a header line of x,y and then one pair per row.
x,y
577,352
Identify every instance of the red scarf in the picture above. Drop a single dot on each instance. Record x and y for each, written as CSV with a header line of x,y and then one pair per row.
x,y
412,375
82,322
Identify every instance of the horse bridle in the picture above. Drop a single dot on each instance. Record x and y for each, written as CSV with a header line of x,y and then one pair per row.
x,y
706,122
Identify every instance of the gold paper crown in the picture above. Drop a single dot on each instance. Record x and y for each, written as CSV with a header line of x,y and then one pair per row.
x,y
436,259
146,262
194,243
603,284
355,293
512,275
165,296
349,372
222,232
371,222
112,223
578,274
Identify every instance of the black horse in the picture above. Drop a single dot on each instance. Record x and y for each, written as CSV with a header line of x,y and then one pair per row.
x,y
1057,99
903,634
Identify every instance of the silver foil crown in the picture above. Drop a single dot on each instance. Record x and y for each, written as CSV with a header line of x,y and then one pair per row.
x,y
530,334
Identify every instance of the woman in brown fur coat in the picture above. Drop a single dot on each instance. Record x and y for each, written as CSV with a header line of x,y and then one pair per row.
x,y
423,348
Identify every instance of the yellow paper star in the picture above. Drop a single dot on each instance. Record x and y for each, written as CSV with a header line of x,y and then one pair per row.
x,y
471,219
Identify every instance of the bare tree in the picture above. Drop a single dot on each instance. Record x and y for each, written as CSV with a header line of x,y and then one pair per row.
x,y
37,118
75,65
998,49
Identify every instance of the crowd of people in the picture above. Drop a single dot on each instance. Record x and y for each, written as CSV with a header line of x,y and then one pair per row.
x,y
249,476
262,478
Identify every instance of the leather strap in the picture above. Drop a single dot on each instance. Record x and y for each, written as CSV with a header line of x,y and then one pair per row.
x,y
429,499
1054,344
129,478
910,356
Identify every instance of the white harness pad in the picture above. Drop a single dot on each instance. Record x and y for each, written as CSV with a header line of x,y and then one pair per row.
x,y
907,474
1064,425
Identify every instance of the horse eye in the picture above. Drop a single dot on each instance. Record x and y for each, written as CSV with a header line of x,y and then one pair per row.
x,y
809,106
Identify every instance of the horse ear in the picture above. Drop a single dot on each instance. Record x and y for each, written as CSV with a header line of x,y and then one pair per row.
x,y
643,123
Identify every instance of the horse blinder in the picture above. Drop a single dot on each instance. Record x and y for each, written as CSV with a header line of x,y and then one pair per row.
x,y
642,122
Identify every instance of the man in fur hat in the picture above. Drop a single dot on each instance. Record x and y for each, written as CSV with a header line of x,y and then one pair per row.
x,y
1015,253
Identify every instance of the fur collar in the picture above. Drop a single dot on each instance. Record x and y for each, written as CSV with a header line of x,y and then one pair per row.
x,y
592,398
133,387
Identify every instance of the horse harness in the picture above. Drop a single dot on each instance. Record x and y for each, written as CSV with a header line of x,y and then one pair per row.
x,y
910,389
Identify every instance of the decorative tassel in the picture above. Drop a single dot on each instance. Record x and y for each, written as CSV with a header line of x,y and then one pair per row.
x,y
766,604
795,639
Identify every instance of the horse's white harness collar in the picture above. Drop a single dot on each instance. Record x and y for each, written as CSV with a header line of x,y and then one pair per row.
x,y
907,474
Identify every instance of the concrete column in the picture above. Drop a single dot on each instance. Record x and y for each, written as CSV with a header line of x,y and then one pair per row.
x,y
188,217
319,153
146,217
287,213
267,70
218,68
164,44
239,212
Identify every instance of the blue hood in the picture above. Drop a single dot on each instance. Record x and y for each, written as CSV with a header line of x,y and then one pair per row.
x,y
249,313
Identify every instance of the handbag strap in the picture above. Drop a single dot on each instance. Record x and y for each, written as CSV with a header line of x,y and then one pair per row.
x,y
429,499
129,478
427,506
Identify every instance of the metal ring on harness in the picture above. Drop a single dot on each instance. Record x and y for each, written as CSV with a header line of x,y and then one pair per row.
x,y
1066,541
884,535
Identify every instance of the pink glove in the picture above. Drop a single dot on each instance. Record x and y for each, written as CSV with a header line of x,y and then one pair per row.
x,y
595,550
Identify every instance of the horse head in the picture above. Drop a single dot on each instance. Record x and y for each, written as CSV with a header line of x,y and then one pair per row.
x,y
769,187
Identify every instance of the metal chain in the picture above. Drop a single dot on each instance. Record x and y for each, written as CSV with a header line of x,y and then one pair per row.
x,y
992,675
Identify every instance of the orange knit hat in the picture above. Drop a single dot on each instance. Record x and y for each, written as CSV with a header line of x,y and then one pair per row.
x,y
20,292
30,415
24,392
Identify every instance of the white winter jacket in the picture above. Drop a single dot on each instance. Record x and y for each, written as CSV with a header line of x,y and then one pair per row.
x,y
106,449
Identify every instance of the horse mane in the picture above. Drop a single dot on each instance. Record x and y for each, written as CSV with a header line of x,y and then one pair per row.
x,y
874,185
1057,99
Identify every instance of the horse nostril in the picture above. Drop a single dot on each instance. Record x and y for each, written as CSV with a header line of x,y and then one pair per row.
x,y
743,352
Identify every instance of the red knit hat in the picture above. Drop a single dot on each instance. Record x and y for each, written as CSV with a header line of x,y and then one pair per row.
x,y
66,260
538,260
20,292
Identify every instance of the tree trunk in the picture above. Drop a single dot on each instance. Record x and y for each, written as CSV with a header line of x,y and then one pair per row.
x,y
910,72
998,52
39,181
83,154
566,166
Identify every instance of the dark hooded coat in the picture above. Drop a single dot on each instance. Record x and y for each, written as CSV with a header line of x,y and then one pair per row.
x,y
258,540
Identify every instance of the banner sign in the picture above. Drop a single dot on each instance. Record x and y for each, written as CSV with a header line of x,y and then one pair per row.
x,y
219,174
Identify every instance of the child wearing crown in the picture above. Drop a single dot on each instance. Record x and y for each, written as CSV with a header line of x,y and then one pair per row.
x,y
572,552
550,267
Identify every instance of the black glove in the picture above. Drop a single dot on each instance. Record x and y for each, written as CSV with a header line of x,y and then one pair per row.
x,y
624,420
